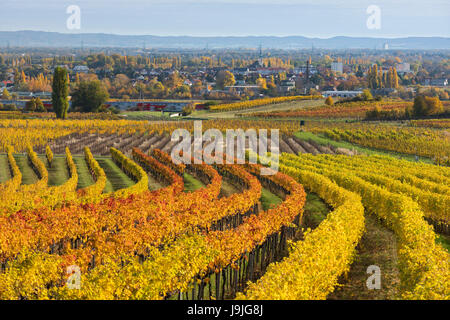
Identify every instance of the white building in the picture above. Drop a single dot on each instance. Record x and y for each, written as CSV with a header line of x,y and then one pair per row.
x,y
443,82
337,67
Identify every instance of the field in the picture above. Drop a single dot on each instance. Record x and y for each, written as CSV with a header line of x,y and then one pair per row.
x,y
96,209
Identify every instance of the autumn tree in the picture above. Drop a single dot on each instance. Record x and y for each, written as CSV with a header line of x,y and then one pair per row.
x,y
60,93
262,83
329,101
367,95
434,105
224,79
6,95
173,80
424,106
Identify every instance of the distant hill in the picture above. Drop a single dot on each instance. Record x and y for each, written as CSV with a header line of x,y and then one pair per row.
x,y
54,39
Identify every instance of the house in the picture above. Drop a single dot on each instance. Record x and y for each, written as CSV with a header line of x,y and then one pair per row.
x,y
6,84
287,86
81,69
241,71
270,71
302,70
243,89
436,82
403,68
337,67
42,95
341,94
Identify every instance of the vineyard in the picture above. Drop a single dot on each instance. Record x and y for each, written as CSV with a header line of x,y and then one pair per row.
x,y
400,201
429,142
346,110
99,205
350,110
258,103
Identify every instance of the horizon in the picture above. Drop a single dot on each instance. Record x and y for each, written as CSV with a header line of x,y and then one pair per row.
x,y
227,36
233,18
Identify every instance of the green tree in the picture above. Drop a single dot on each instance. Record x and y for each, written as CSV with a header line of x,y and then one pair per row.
x,y
30,105
39,105
420,106
89,96
188,109
183,92
359,72
60,93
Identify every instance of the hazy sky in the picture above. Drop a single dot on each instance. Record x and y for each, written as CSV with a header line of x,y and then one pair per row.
x,y
313,18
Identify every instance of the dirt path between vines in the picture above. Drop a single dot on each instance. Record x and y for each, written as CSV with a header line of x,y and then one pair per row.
x,y
378,247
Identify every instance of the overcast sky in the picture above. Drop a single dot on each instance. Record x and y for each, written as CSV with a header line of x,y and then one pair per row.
x,y
313,18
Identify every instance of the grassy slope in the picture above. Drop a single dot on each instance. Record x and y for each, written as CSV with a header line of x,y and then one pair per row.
x,y
58,173
154,184
5,173
228,188
191,184
269,200
28,174
117,179
84,176
315,211
444,241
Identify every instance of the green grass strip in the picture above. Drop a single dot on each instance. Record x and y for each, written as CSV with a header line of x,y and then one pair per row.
x,y
444,241
228,188
315,211
28,174
117,179
84,176
191,184
269,200
154,184
5,173
58,173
